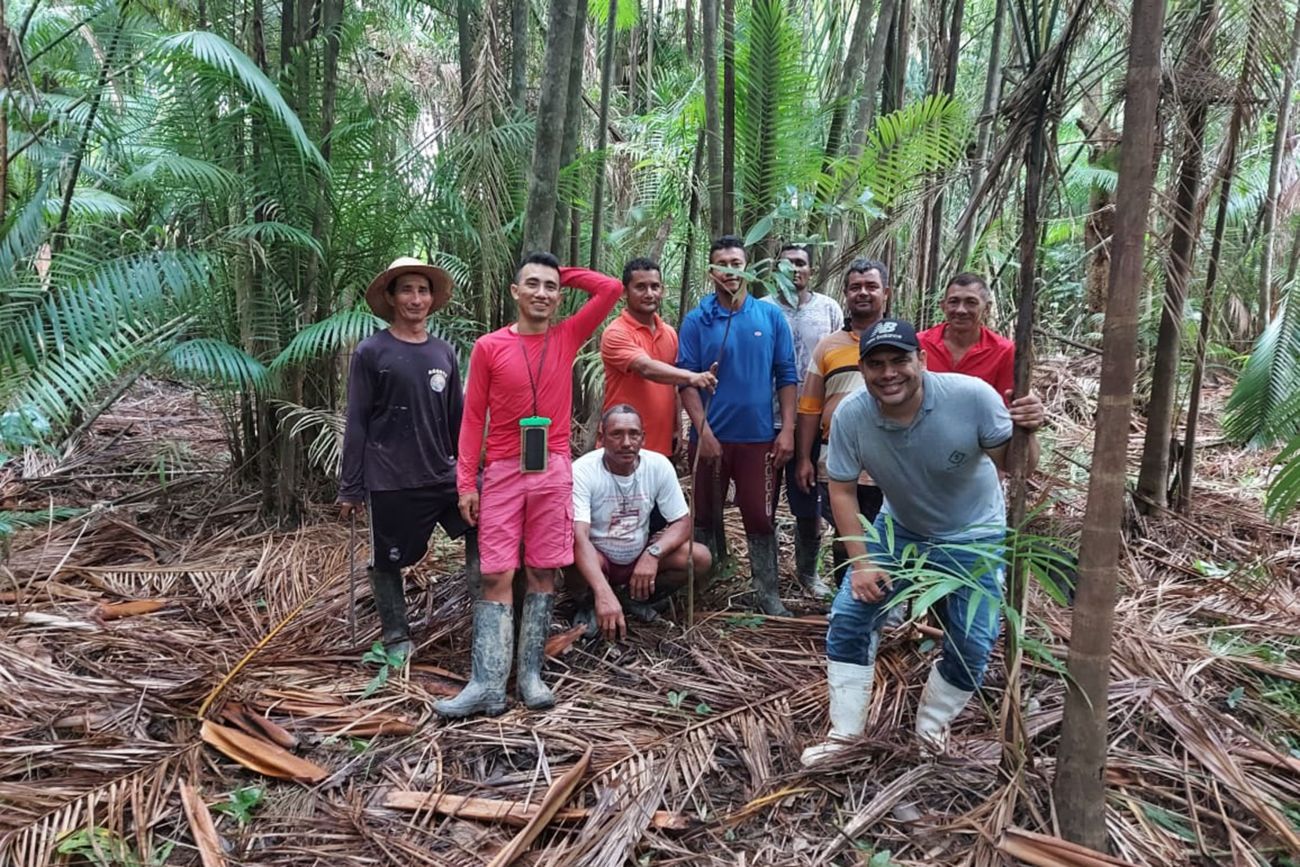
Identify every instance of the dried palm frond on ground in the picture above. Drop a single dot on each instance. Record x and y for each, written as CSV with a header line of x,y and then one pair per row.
x,y
690,739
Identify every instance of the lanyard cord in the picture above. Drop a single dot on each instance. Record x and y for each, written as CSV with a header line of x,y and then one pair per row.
x,y
541,364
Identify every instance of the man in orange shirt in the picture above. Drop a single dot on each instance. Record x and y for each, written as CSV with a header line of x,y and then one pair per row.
x,y
638,350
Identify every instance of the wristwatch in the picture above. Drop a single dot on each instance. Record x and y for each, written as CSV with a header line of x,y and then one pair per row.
x,y
654,550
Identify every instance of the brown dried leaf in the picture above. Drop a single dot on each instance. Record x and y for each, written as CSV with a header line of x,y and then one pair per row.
x,y
555,798
261,756
557,645
202,827
514,813
136,607
257,725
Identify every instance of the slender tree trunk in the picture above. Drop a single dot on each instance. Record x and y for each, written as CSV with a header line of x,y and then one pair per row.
x,y
74,173
634,64
539,213
931,282
728,116
896,59
712,115
287,17
690,29
693,217
848,81
1080,784
984,133
1280,137
4,115
602,136
465,45
566,214
650,57
1186,474
518,52
1153,478
1099,223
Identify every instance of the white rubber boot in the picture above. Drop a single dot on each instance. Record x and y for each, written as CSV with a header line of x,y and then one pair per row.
x,y
941,703
849,686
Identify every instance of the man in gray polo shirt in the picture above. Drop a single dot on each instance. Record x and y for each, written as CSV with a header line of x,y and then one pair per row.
x,y
934,443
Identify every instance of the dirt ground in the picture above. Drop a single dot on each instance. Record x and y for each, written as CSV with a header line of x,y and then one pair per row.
x,y
180,687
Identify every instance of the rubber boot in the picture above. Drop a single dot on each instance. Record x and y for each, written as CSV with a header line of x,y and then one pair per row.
x,y
389,591
473,574
534,627
849,687
941,702
762,565
807,545
494,634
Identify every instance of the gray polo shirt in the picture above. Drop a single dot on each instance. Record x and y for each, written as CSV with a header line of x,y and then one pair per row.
x,y
936,479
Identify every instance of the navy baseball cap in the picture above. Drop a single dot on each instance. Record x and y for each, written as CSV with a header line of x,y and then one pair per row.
x,y
889,332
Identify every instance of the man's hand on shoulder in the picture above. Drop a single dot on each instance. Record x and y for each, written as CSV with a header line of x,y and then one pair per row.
x,y
1027,412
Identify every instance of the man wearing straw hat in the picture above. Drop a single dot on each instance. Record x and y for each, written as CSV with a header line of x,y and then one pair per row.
x,y
400,442
520,395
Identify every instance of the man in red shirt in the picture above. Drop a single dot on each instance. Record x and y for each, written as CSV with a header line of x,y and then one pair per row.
x,y
638,350
520,388
963,344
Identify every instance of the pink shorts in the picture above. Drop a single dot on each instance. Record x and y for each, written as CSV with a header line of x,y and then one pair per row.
x,y
535,509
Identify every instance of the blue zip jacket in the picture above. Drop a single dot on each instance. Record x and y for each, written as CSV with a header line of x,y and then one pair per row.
x,y
756,362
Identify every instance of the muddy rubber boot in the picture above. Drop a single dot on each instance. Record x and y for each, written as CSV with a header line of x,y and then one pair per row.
x,y
762,566
494,634
849,689
534,628
941,703
389,590
807,545
473,574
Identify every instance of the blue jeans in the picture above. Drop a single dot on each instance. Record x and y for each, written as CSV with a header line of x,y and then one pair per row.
x,y
969,616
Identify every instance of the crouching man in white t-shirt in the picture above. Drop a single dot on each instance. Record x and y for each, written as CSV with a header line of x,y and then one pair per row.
x,y
624,567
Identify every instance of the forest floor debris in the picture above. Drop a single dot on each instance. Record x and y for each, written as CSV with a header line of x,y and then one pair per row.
x,y
118,624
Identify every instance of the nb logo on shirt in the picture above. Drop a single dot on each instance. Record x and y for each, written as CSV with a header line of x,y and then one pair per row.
x,y
956,459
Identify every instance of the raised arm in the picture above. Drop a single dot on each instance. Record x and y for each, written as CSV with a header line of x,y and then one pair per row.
x,y
604,291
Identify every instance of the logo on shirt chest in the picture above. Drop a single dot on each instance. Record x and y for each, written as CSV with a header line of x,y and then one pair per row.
x,y
957,458
438,380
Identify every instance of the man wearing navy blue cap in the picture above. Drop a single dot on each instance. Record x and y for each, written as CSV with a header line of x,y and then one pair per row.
x,y
934,443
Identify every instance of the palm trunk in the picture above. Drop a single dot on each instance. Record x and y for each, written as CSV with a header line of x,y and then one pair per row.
x,y
4,115
1080,784
1186,474
690,29
465,46
602,136
712,115
930,283
848,80
693,217
1280,136
984,135
518,52
567,218
728,116
1153,478
539,213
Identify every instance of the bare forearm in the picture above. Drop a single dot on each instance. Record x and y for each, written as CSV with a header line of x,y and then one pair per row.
x,y
657,371
694,406
805,434
675,535
786,397
587,561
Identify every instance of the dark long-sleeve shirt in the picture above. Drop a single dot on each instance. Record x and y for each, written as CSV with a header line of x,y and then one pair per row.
x,y
403,416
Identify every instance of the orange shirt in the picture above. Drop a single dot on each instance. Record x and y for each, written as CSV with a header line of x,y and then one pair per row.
x,y
624,341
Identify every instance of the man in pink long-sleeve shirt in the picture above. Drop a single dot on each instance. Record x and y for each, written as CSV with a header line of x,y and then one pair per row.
x,y
520,383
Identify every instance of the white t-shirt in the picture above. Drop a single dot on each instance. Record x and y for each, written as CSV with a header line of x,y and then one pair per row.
x,y
618,507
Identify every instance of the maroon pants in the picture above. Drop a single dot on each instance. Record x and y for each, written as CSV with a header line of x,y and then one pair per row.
x,y
749,465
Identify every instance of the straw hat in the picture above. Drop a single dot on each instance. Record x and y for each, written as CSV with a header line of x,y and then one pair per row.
x,y
377,294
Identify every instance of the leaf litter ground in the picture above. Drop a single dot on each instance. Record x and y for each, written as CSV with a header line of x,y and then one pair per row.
x,y
167,597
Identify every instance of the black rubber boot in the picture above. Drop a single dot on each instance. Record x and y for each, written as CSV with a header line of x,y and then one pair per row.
x,y
762,566
494,633
807,546
389,590
534,628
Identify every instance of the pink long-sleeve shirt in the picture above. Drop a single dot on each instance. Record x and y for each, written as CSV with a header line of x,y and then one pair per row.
x,y
498,393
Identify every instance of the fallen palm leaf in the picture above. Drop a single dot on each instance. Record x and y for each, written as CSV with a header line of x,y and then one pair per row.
x,y
555,799
201,827
1041,850
257,725
118,610
556,645
261,756
514,813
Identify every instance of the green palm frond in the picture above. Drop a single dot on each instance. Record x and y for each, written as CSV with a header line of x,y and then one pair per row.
x,y
157,164
321,427
217,363
1259,408
926,137
26,230
337,332
1283,493
213,51
269,233
88,203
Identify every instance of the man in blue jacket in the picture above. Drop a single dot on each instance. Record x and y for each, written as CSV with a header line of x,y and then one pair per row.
x,y
737,439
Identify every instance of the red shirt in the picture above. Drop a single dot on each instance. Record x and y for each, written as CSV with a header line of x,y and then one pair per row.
x,y
992,358
498,390
625,340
